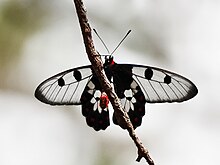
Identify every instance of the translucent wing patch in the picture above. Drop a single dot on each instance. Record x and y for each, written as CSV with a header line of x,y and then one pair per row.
x,y
160,85
64,88
95,105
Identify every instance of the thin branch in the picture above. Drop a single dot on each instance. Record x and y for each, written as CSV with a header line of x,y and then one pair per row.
x,y
121,116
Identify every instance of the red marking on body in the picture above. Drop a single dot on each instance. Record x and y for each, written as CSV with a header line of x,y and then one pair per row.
x,y
104,100
113,62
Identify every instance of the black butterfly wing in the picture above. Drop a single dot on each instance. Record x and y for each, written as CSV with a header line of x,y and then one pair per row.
x,y
65,88
133,103
96,116
129,92
136,84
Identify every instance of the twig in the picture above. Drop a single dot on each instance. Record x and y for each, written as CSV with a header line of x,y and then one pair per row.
x,y
121,116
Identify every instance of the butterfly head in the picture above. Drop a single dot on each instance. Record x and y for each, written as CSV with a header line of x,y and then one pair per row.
x,y
109,60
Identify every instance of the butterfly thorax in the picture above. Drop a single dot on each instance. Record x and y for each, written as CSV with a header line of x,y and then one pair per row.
x,y
109,66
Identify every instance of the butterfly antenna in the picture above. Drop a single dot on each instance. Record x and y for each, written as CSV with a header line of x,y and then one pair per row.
x,y
129,31
102,41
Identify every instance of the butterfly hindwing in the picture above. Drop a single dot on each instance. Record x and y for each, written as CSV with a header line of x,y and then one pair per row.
x,y
65,88
95,112
133,103
129,92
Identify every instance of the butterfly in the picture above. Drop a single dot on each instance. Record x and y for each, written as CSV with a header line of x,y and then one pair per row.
x,y
135,85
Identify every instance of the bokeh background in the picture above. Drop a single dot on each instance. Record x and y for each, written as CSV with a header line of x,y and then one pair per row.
x,y
41,38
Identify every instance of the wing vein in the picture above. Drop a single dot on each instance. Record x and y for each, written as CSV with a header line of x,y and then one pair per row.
x,y
165,91
73,92
52,92
65,93
154,90
142,86
178,89
57,94
173,91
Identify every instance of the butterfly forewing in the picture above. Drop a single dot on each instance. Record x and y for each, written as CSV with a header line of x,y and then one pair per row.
x,y
65,88
160,85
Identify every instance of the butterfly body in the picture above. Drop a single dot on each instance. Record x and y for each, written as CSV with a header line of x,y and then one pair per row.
x,y
134,85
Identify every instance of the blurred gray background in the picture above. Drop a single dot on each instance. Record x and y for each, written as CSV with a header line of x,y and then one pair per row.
x,y
41,38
